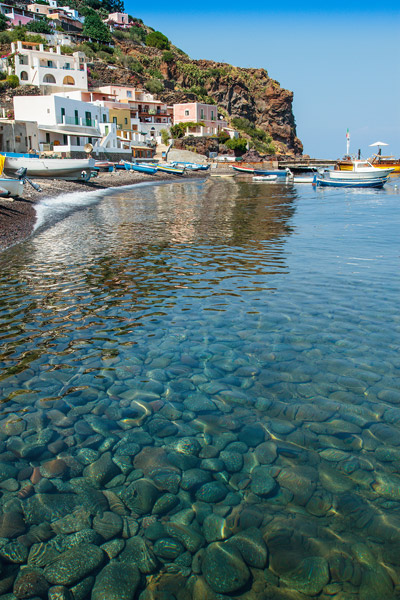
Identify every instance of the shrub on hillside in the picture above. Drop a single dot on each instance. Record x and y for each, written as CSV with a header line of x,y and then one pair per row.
x,y
223,137
4,22
156,39
238,145
168,56
42,26
154,86
12,81
165,136
133,64
5,38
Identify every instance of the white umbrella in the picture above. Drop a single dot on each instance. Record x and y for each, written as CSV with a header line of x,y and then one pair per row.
x,y
379,144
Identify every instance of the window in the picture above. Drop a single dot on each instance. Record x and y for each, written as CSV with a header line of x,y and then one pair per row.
x,y
202,114
76,117
49,78
65,140
104,118
212,115
126,121
88,118
115,120
186,113
23,76
47,138
62,115
129,94
78,141
68,80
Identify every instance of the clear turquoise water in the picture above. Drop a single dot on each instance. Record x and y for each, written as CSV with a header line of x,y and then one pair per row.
x,y
276,305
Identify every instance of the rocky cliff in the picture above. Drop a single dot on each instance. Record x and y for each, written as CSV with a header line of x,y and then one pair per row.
x,y
173,77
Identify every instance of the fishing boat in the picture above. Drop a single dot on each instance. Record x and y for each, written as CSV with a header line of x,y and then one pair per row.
x,y
278,172
384,162
359,169
309,179
247,170
72,169
105,166
265,178
326,181
141,168
170,169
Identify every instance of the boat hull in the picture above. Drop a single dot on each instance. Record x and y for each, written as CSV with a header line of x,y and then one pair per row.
x,y
265,178
247,170
142,169
55,168
366,183
278,173
11,188
173,170
356,175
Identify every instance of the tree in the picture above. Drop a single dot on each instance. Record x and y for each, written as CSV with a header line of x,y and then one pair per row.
x,y
95,28
156,39
42,26
5,23
12,81
165,136
154,86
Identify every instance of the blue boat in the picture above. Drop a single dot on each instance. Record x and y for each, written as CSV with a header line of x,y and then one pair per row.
x,y
142,168
355,183
277,172
190,166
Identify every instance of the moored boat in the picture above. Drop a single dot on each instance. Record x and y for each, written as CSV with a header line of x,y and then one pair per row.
x,y
265,178
57,168
277,172
247,170
359,169
189,166
356,183
385,162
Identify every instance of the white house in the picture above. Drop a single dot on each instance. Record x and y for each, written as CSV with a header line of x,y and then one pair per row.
x,y
66,125
50,70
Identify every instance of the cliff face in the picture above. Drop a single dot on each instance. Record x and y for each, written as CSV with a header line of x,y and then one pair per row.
x,y
238,92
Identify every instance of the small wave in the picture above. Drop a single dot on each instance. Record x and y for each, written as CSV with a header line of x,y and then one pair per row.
x,y
50,210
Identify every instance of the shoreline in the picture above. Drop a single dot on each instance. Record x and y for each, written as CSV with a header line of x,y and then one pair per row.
x,y
18,216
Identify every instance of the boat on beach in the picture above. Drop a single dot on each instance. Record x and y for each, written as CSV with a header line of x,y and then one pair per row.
x,y
141,168
189,166
266,178
11,188
170,169
71,169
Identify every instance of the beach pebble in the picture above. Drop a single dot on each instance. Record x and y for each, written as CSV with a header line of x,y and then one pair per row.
x,y
262,483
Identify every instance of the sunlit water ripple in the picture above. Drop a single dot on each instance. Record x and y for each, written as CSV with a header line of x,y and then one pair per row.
x,y
200,395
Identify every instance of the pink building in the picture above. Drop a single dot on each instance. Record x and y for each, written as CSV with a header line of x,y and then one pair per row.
x,y
118,19
17,16
195,112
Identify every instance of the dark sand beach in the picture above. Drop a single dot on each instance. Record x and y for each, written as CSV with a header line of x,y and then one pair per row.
x,y
17,217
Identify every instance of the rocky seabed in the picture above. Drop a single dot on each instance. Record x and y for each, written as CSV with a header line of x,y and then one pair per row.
x,y
192,476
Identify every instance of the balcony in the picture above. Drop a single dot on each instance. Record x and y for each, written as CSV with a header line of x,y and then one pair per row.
x,y
80,121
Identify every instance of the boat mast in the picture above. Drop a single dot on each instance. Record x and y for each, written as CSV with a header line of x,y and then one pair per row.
x,y
347,142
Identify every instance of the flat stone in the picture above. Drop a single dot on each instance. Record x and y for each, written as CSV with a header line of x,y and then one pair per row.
x,y
30,582
251,546
138,552
74,564
310,577
102,470
140,496
262,483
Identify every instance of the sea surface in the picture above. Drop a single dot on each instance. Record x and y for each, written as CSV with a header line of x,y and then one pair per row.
x,y
200,395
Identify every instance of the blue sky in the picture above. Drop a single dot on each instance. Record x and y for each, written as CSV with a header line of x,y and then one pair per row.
x,y
341,64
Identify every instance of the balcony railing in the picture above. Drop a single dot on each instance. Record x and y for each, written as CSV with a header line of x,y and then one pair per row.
x,y
78,121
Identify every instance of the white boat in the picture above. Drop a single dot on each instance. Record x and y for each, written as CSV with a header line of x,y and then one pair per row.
x,y
11,188
309,179
361,169
56,168
265,178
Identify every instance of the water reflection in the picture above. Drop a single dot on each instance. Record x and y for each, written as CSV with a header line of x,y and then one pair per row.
x,y
191,388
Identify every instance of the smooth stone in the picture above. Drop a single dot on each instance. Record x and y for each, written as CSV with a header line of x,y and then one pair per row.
x,y
116,581
109,525
165,479
192,479
113,547
82,589
310,577
78,520
59,592
233,461
138,552
53,468
266,453
300,482
168,548
46,507
189,537
165,504
215,528
14,552
11,524
102,470
262,483
140,496
199,403
224,568
74,564
211,492
375,583
30,582
215,465
251,546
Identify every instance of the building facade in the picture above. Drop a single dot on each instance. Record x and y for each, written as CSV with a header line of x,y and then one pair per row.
x,y
196,112
17,16
50,70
